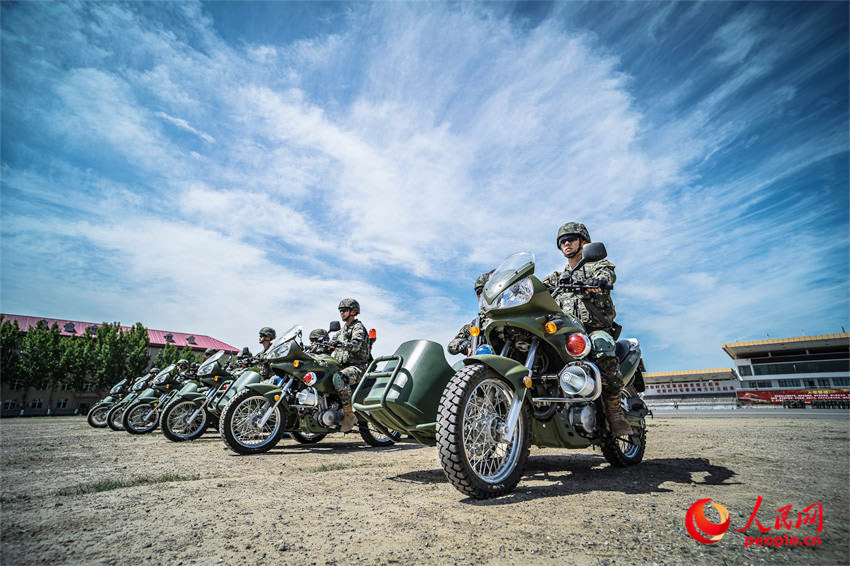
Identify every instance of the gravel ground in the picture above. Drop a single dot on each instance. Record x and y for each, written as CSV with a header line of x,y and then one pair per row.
x,y
341,502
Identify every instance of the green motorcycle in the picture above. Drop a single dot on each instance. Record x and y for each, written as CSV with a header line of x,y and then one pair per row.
x,y
97,414
116,413
193,410
303,402
542,387
142,414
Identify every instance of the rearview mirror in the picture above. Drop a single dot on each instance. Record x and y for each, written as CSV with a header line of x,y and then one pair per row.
x,y
593,251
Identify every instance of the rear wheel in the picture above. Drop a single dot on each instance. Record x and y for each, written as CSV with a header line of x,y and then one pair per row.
x,y
374,436
177,422
622,451
240,428
140,418
471,421
97,416
114,417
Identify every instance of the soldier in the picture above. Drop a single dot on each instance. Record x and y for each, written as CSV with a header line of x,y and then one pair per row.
x,y
462,343
318,342
594,308
209,352
352,350
182,368
267,334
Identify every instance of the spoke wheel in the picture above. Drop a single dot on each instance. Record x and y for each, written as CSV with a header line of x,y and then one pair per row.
x,y
622,451
239,422
115,417
97,416
373,436
472,415
176,424
140,418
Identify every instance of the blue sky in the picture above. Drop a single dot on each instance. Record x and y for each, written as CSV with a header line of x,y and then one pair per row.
x,y
215,168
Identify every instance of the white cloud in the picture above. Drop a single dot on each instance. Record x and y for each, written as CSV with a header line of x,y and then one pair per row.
x,y
183,124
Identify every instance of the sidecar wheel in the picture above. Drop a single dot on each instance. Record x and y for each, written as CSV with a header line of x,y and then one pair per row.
x,y
306,437
174,426
375,437
114,417
134,420
97,416
628,450
237,424
477,462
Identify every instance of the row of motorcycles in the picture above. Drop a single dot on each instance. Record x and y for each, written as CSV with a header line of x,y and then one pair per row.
x,y
531,378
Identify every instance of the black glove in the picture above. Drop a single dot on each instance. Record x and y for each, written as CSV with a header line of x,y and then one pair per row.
x,y
596,283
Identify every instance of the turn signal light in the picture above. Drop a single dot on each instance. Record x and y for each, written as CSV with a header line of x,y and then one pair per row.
x,y
550,327
310,378
527,381
578,345
296,363
215,378
277,398
167,385
474,331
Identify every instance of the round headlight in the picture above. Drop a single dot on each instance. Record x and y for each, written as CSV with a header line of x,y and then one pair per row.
x,y
517,294
281,351
161,379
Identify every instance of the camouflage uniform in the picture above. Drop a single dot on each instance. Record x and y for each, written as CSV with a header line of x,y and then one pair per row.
x,y
318,342
595,310
353,353
462,341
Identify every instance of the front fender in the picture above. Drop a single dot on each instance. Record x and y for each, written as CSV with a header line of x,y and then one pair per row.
x,y
510,369
267,390
194,397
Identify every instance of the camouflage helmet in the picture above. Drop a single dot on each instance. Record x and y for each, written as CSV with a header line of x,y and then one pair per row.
x,y
576,228
318,335
155,370
209,352
349,304
183,363
481,281
268,331
245,353
194,366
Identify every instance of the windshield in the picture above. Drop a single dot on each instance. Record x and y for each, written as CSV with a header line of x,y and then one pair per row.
x,y
208,363
520,263
165,371
286,337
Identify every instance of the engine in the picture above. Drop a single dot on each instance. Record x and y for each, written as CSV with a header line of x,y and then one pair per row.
x,y
584,418
309,401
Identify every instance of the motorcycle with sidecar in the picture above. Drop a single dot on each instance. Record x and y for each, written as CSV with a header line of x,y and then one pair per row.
x,y
97,414
542,387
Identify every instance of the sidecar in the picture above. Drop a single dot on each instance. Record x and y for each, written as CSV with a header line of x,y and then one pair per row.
x,y
404,394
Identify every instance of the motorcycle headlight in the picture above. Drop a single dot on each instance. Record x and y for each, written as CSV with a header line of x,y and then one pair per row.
x,y
517,294
279,352
206,369
138,387
161,379
115,390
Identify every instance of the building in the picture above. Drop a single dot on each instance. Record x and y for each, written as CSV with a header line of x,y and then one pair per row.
x,y
701,389
804,370
66,401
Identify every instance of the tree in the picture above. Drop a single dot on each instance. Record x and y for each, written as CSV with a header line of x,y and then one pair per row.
x,y
137,345
78,359
11,339
41,357
169,355
110,358
187,354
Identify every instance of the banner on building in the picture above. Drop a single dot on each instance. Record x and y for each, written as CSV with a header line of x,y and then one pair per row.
x,y
780,396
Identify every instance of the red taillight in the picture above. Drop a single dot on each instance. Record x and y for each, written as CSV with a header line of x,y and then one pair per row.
x,y
224,387
310,378
578,345
372,334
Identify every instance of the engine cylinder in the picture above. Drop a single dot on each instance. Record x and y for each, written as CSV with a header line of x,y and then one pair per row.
x,y
576,381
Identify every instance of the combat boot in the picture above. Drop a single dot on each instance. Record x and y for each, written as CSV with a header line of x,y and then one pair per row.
x,y
616,419
349,421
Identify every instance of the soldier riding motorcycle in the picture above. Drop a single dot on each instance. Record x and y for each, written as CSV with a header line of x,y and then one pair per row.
x,y
544,386
304,403
142,414
116,413
97,414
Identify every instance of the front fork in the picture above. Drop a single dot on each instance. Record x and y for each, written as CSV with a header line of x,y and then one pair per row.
x,y
194,415
268,413
516,405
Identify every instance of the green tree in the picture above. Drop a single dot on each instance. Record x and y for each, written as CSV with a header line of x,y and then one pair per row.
x,y
41,357
110,358
11,339
78,359
187,354
169,355
137,345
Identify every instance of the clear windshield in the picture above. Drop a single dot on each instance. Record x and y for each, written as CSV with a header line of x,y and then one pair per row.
x,y
166,371
507,273
286,336
208,363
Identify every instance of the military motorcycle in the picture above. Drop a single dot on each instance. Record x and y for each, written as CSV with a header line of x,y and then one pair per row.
x,y
193,410
542,387
97,414
116,413
142,414
303,402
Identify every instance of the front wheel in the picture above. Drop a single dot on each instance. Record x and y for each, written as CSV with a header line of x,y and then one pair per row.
x,y
177,422
97,416
140,418
622,451
471,420
114,417
240,421
375,437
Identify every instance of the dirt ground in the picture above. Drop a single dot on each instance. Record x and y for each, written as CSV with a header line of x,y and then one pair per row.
x,y
341,502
